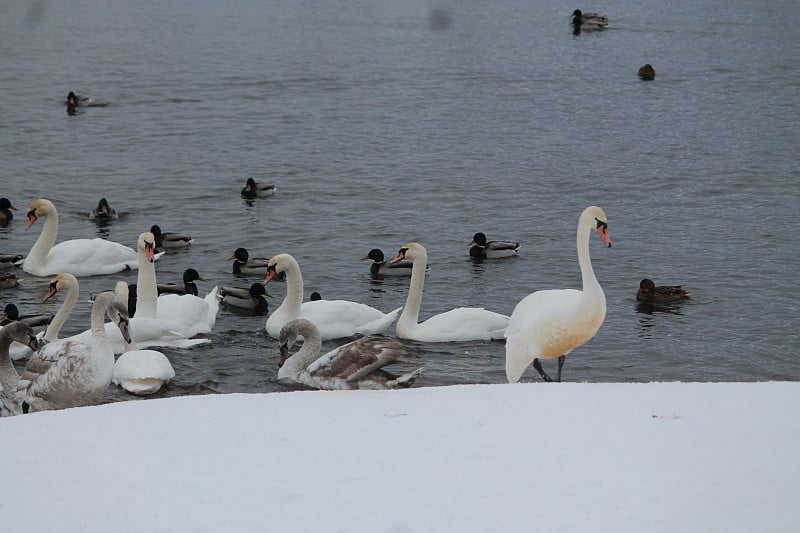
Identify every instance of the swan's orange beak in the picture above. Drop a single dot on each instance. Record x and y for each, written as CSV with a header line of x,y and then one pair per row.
x,y
31,219
400,256
52,291
271,273
602,230
149,251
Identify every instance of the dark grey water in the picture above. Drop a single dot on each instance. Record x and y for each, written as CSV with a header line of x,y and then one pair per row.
x,y
384,122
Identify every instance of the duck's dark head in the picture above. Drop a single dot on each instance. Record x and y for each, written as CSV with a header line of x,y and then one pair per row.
x,y
375,254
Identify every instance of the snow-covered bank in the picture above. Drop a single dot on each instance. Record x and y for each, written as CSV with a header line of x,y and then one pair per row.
x,y
529,457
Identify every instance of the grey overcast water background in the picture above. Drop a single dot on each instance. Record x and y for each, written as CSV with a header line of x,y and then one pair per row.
x,y
383,122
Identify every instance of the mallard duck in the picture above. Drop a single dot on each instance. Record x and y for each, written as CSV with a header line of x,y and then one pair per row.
x,y
355,365
382,267
170,239
588,21
254,189
6,215
648,292
483,249
190,275
103,212
251,301
11,314
243,265
10,260
647,72
8,280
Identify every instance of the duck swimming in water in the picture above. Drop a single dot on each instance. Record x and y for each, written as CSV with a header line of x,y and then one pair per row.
x,y
243,265
103,212
190,275
381,266
647,72
483,249
6,215
169,239
254,189
249,301
648,292
588,21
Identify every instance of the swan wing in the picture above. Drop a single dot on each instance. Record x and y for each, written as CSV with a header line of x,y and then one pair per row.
x,y
462,324
87,257
357,359
341,318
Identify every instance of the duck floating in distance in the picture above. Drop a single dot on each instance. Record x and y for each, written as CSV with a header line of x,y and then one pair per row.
x,y
190,275
103,212
8,280
480,248
588,21
254,189
382,267
11,314
355,365
6,215
250,301
170,239
648,292
243,265
8,261
647,72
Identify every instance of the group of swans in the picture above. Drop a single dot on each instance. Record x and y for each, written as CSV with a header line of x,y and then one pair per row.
x,y
546,324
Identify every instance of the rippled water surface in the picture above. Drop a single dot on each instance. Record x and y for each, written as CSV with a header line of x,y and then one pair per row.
x,y
385,122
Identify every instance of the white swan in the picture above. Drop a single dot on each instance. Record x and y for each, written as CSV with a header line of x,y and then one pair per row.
x,y
81,257
460,324
62,282
140,372
77,373
355,365
334,318
18,332
551,323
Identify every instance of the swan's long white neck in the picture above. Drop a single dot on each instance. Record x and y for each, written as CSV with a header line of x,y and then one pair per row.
x,y
62,314
591,287
307,354
46,240
146,287
410,313
294,289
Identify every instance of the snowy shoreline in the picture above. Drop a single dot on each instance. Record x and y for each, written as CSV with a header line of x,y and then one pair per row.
x,y
526,457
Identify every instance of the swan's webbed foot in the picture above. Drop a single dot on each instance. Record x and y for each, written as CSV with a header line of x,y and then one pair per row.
x,y
538,366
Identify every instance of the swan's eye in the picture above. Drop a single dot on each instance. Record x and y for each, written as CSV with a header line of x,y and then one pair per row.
x,y
54,286
32,213
601,224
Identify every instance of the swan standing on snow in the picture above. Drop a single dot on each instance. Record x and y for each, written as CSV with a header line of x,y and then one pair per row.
x,y
81,257
355,365
334,318
19,332
140,372
460,324
78,373
550,324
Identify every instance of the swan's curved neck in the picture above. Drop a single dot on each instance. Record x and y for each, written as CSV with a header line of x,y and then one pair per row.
x,y
58,321
98,318
307,354
591,287
146,287
46,240
414,300
294,290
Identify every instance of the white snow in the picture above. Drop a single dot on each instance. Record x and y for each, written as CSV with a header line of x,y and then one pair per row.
x,y
526,457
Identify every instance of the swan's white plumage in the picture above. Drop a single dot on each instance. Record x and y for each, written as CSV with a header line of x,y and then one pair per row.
x,y
354,365
335,319
550,323
81,257
460,324
142,372
192,314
